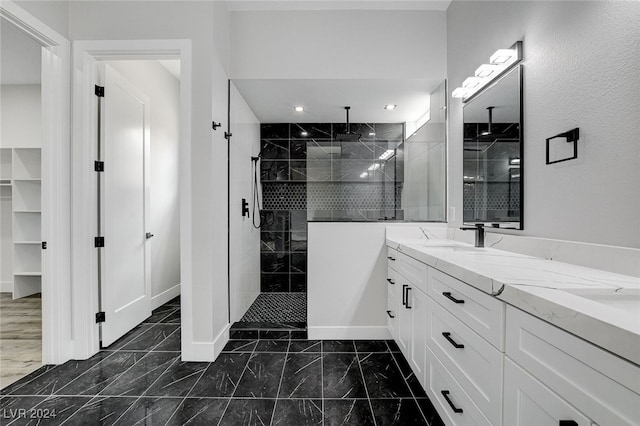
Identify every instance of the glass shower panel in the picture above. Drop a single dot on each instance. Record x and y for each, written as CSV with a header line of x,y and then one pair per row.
x,y
423,193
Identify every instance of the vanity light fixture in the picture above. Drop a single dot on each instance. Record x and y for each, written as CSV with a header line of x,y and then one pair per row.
x,y
502,56
387,154
364,175
485,70
390,107
373,167
499,63
471,82
298,109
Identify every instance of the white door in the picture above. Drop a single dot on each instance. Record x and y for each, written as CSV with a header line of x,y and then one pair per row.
x,y
125,287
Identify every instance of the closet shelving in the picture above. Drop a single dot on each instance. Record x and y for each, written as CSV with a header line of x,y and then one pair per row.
x,y
21,176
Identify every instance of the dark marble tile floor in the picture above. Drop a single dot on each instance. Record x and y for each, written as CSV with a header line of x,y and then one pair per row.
x,y
140,380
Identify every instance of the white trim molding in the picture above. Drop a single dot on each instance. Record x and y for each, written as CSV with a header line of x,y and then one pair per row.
x,y
162,298
57,337
349,333
85,56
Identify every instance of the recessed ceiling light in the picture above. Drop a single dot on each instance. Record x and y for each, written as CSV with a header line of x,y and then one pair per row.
x,y
372,134
298,108
303,133
390,107
364,175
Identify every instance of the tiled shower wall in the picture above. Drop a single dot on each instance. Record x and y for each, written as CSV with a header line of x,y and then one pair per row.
x,y
307,174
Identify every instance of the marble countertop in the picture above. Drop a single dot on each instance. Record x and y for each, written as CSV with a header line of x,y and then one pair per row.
x,y
599,306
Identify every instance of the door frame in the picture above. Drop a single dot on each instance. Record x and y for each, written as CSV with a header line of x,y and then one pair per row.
x,y
57,334
86,55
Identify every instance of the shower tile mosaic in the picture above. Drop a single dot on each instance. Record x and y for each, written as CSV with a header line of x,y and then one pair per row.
x,y
305,173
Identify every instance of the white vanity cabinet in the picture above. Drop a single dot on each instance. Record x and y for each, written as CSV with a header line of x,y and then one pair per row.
x,y
408,277
575,376
484,362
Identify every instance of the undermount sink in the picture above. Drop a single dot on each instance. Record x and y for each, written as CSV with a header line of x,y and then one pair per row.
x,y
624,299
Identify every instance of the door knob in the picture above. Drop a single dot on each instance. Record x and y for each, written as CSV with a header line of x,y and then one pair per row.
x,y
149,235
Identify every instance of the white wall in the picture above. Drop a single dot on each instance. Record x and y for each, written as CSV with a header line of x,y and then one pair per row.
x,y
21,116
338,44
347,268
52,12
163,90
580,70
244,250
205,311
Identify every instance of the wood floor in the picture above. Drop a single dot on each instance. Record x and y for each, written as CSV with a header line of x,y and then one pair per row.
x,y
20,337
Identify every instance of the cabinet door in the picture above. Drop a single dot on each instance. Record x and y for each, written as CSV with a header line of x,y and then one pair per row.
x,y
417,301
529,402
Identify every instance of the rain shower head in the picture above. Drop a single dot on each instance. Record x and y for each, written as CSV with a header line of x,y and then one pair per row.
x,y
348,136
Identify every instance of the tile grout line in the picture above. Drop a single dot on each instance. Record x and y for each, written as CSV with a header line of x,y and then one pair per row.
x,y
149,387
204,370
322,380
364,383
407,383
94,396
237,384
284,365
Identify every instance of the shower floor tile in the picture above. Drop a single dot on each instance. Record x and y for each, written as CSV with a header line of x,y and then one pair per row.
x,y
278,308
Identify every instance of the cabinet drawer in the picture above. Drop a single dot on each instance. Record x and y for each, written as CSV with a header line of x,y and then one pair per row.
x,y
458,409
477,366
482,313
527,402
412,270
392,258
601,385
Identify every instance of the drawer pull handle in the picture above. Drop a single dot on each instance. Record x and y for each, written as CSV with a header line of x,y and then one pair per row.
x,y
404,294
455,409
390,316
391,281
391,258
568,423
407,305
448,295
456,345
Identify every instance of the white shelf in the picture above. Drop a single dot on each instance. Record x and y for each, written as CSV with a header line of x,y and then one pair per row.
x,y
26,163
26,193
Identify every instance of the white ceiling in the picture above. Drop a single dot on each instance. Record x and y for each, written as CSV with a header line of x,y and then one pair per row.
x,y
20,56
272,101
245,5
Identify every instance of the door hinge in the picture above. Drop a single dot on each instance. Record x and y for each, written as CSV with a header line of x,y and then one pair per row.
x,y
98,166
100,317
99,91
227,135
99,242
215,125
44,245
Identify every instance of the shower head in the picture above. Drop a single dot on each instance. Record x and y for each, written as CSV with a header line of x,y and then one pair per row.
x,y
348,136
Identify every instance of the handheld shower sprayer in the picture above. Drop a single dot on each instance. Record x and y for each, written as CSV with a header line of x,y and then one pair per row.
x,y
256,197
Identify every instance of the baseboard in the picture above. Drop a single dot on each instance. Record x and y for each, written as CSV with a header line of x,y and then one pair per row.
x,y
162,298
220,341
354,332
6,286
207,351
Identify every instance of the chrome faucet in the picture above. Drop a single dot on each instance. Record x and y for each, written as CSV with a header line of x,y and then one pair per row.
x,y
479,228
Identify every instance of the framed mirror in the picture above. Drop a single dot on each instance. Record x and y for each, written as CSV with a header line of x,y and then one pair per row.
x,y
492,156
